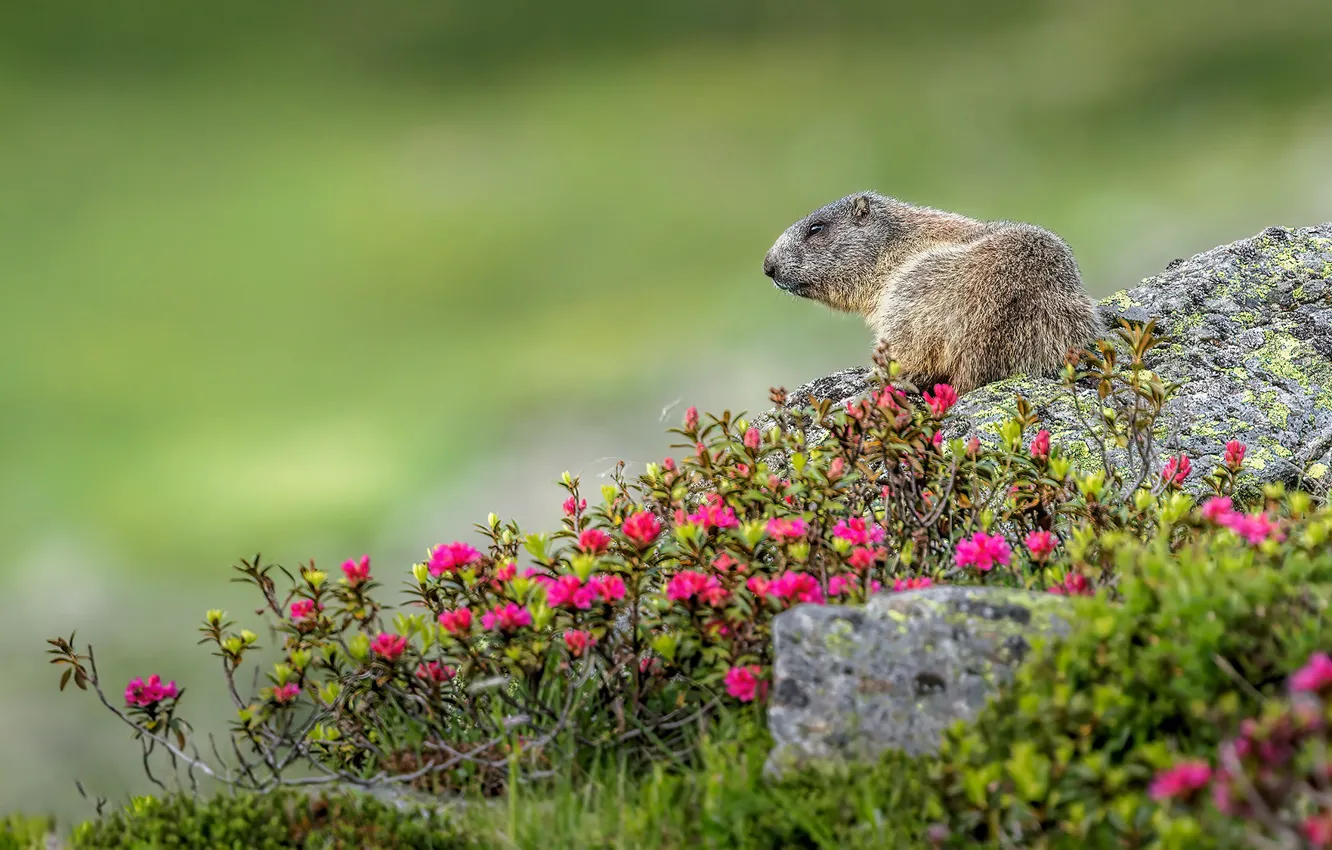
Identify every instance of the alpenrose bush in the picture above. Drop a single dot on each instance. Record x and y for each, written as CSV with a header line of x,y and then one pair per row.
x,y
646,613
1270,785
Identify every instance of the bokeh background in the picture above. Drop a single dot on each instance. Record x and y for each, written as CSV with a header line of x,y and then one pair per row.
x,y
324,279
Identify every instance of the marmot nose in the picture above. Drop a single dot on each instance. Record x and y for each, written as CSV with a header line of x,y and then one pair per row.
x,y
769,266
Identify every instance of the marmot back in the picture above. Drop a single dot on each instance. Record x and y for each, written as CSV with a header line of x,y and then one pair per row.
x,y
954,300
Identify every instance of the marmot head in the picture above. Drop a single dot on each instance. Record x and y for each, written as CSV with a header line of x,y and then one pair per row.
x,y
832,254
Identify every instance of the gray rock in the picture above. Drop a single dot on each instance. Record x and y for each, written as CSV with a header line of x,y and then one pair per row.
x,y
1249,335
850,682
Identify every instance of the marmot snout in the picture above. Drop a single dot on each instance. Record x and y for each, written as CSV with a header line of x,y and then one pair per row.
x,y
954,299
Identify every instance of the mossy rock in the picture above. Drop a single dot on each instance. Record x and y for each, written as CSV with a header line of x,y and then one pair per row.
x,y
851,682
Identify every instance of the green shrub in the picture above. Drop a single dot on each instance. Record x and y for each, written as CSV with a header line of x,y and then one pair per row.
x,y
283,818
18,832
1198,639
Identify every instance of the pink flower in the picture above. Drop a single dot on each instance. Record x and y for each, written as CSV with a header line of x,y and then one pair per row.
x,y
982,551
572,506
1180,781
724,562
301,609
1315,675
506,618
937,439
143,694
456,622
1217,509
564,592
792,586
1041,544
584,597
1075,584
742,469
1318,829
641,528
284,694
744,684
973,446
578,642
687,584
919,583
668,464
506,572
863,557
836,468
857,531
1235,455
783,529
1176,470
714,514
594,541
609,588
1255,528
388,646
753,439
435,672
357,571
1040,446
944,397
691,418
449,557
758,585
837,585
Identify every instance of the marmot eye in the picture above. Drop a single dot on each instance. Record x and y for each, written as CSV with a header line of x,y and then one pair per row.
x,y
813,228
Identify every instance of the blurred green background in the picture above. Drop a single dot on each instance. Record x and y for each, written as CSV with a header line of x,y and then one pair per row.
x,y
315,280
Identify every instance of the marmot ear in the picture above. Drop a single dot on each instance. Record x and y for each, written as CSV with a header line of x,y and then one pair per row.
x,y
860,207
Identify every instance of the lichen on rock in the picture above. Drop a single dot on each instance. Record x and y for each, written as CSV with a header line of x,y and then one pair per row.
x,y
850,682
1248,337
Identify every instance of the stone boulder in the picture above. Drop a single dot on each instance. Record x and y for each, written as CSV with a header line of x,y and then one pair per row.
x,y
850,682
1248,330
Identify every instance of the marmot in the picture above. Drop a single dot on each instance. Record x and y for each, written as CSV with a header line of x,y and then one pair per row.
x,y
954,300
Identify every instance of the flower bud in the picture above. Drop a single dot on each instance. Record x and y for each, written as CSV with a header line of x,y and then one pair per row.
x,y
420,572
315,578
281,672
359,646
300,658
492,519
608,493
567,479
248,636
215,616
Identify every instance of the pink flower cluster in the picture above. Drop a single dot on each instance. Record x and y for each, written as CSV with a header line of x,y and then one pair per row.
x,y
784,529
451,557
1180,781
283,694
1041,544
568,591
982,551
1234,457
594,541
357,571
790,587
918,583
864,557
744,683
1074,584
753,439
573,506
857,531
1254,527
1040,446
506,618
687,585
143,694
578,641
302,609
389,646
944,398
1176,470
641,528
1315,676
714,513
435,672
456,622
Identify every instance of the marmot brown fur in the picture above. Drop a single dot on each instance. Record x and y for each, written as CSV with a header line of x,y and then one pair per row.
x,y
953,299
